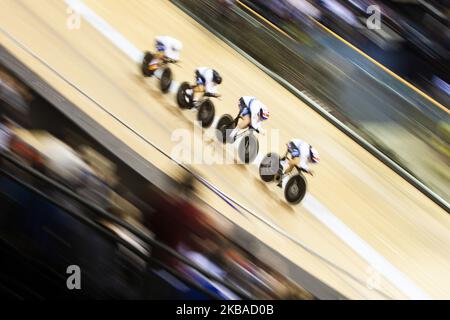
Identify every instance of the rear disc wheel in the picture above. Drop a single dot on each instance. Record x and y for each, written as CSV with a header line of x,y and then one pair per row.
x,y
166,80
248,148
206,113
224,127
295,189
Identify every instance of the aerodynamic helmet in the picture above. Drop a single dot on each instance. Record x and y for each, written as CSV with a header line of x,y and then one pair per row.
x,y
216,77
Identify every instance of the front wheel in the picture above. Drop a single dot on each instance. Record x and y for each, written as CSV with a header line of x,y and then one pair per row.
x,y
166,80
295,189
269,167
206,113
183,99
248,148
224,127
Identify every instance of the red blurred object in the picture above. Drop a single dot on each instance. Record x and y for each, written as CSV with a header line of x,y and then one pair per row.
x,y
25,152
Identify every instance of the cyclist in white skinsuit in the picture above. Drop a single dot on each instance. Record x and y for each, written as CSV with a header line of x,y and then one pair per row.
x,y
299,153
252,113
207,82
167,48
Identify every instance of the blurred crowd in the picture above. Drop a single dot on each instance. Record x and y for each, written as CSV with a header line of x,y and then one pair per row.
x,y
173,219
413,38
384,111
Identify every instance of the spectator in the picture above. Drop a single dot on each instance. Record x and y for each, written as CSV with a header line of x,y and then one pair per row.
x,y
5,133
225,7
227,3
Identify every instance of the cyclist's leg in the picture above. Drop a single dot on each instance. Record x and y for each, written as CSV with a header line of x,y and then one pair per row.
x,y
294,158
200,83
292,163
199,88
243,123
156,62
157,56
244,111
289,161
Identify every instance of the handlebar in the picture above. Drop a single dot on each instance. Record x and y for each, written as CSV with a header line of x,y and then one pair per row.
x,y
169,60
211,95
305,171
254,129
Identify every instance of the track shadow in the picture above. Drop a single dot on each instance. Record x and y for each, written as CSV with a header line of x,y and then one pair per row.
x,y
139,78
161,98
262,185
240,166
209,141
152,84
265,187
286,206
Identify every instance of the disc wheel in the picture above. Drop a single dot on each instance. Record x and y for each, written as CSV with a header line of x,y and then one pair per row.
x,y
148,57
269,167
224,127
295,189
166,80
183,100
206,113
248,148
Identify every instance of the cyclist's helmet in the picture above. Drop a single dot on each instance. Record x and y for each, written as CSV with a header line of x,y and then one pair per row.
x,y
314,155
216,77
264,113
177,45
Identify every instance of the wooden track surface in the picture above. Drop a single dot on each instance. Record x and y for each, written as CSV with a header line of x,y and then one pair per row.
x,y
395,219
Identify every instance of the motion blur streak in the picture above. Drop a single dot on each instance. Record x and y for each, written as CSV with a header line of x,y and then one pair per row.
x,y
363,249
423,94
311,204
399,222
105,29
265,20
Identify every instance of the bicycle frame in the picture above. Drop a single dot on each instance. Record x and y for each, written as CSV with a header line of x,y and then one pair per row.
x,y
243,133
201,99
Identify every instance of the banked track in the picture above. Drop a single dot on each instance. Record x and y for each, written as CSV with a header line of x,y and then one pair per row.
x,y
380,208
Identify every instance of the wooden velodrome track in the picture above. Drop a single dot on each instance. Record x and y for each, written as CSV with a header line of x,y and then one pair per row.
x,y
404,227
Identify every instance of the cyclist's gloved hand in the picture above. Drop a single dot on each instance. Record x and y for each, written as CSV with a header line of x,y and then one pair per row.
x,y
254,129
310,172
169,60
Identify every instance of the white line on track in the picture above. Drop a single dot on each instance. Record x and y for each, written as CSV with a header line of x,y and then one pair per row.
x,y
311,204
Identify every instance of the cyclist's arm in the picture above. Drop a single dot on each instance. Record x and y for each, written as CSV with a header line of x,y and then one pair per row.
x,y
211,89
